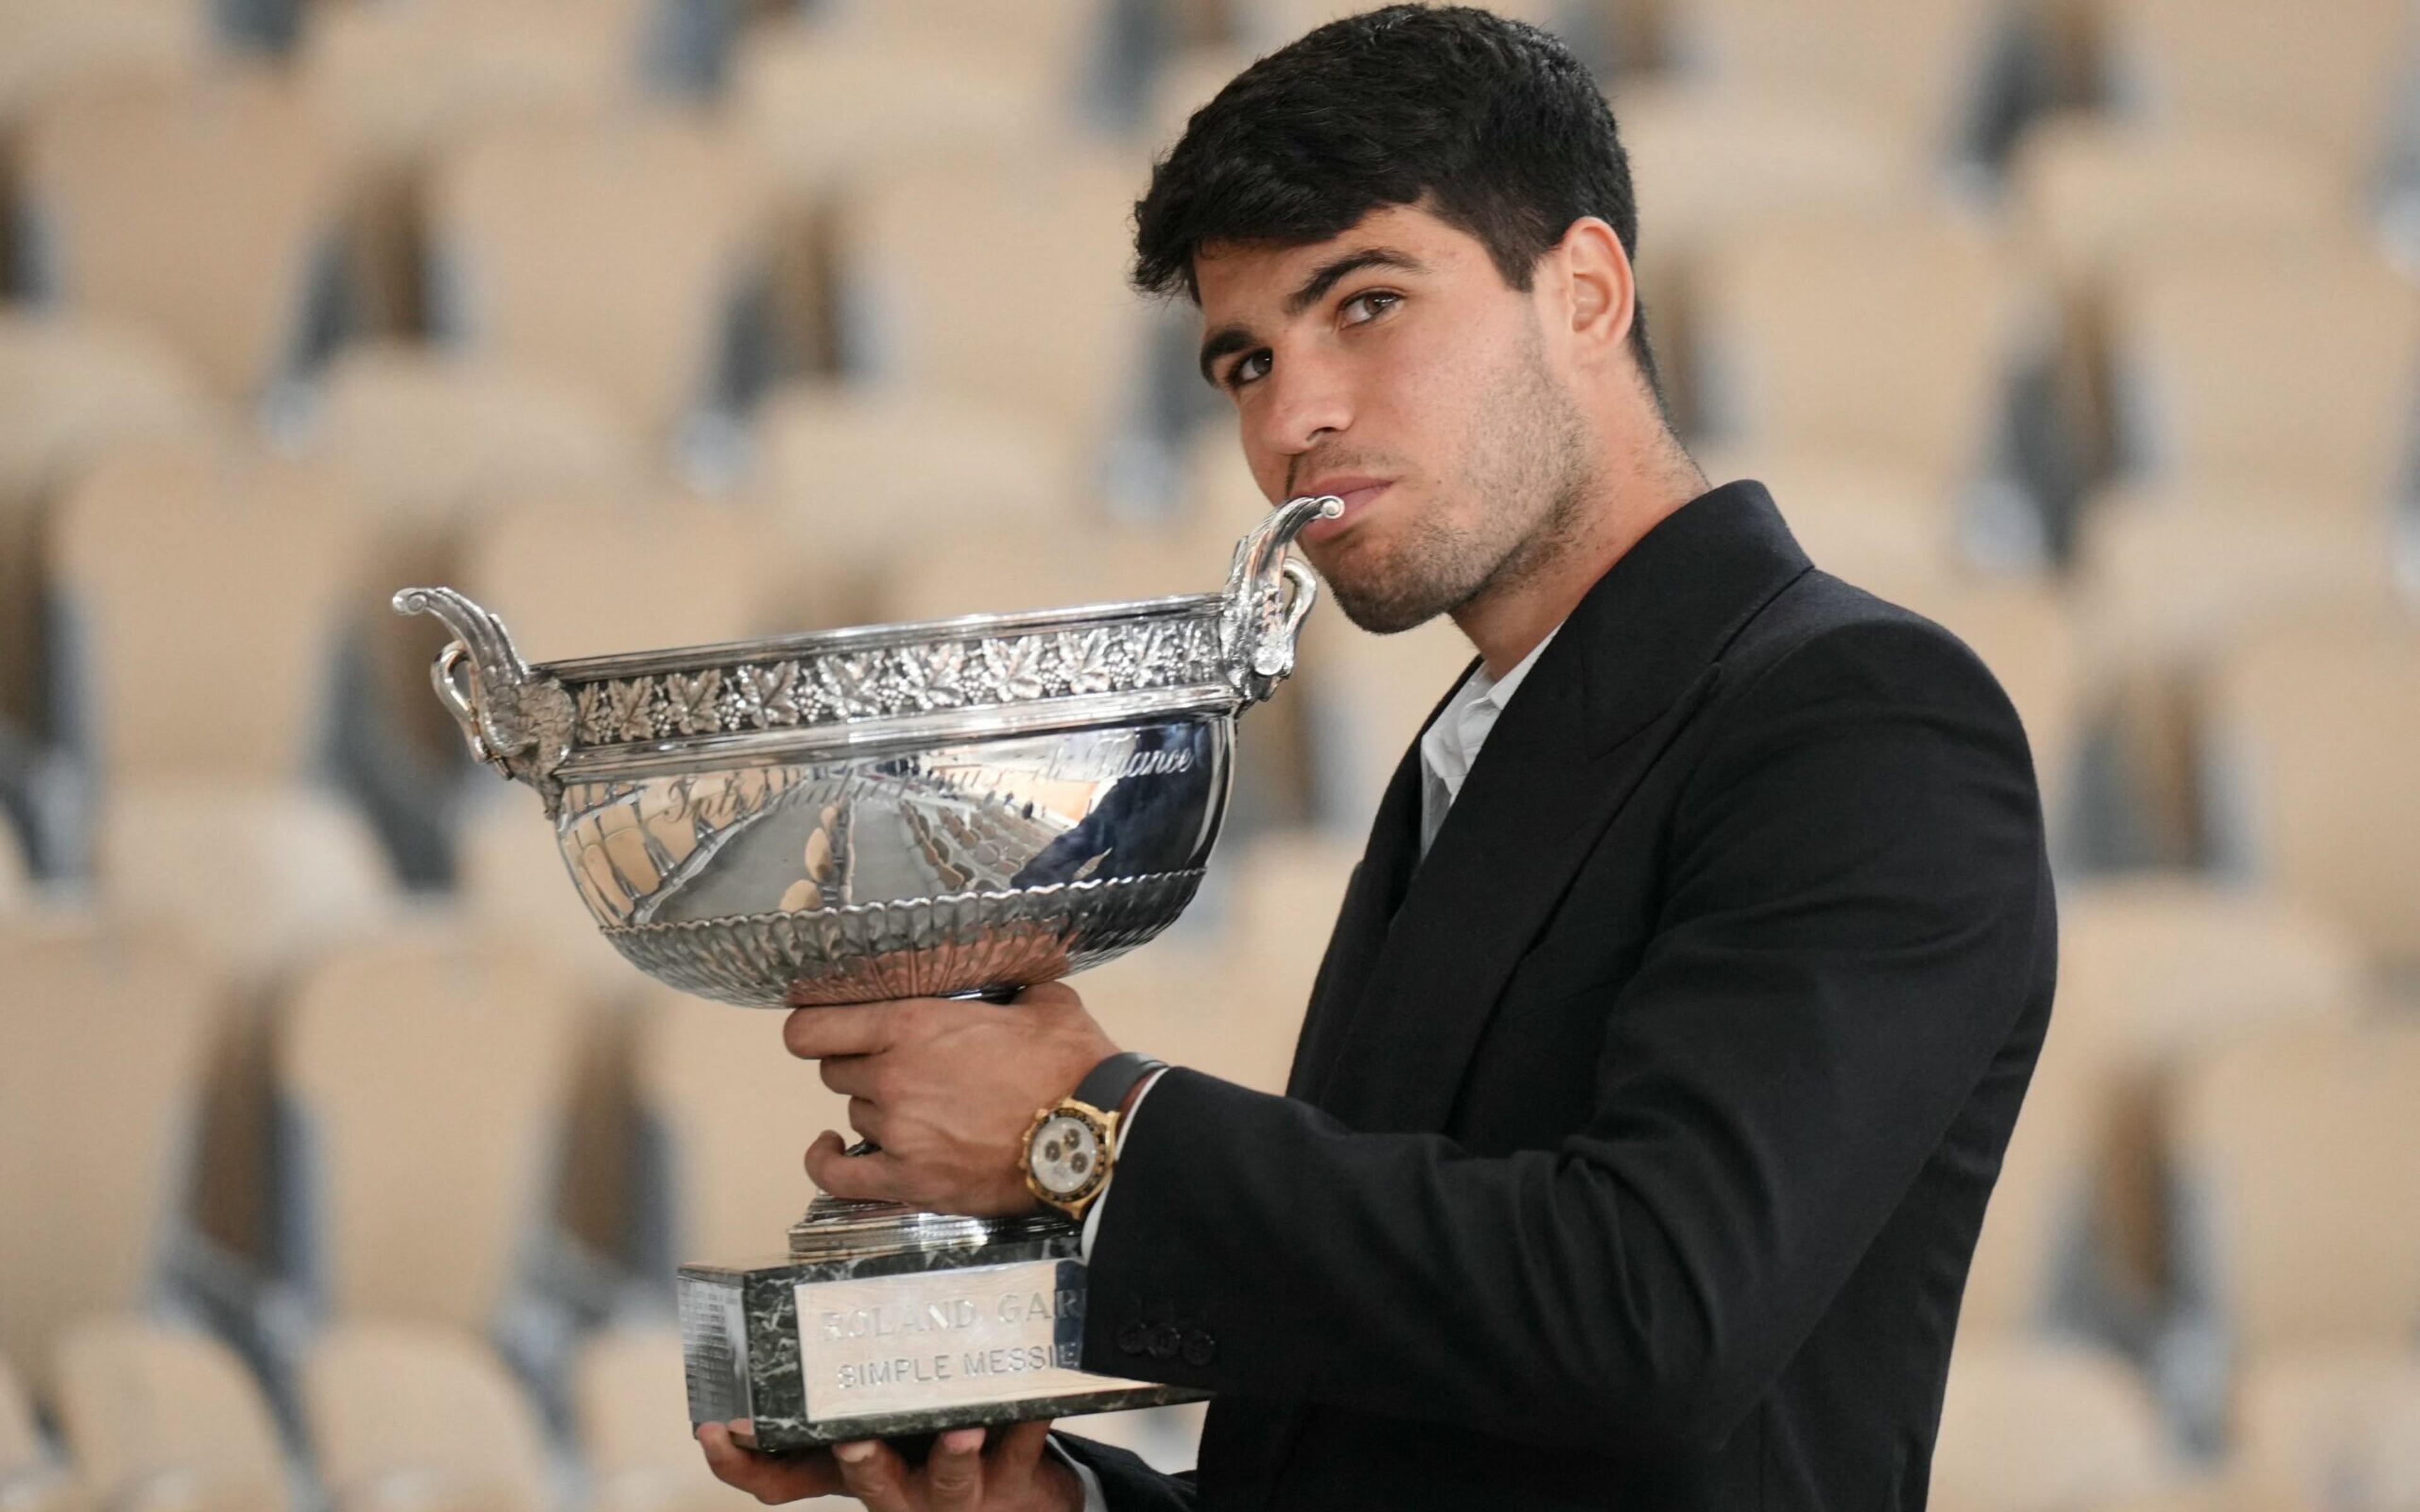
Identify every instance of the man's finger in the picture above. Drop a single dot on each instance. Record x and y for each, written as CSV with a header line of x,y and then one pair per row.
x,y
849,1076
766,1477
857,1029
865,1118
876,1177
1019,1444
954,1473
874,1473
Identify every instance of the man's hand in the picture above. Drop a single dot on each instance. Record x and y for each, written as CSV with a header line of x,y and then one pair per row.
x,y
1014,1473
947,1088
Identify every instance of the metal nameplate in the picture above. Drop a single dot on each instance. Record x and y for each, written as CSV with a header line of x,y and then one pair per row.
x,y
964,1337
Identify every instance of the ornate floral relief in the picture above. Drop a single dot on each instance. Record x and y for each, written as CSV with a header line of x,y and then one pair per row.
x,y
691,702
919,679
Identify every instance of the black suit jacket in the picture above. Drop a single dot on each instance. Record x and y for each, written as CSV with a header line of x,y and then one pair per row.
x,y
1638,1138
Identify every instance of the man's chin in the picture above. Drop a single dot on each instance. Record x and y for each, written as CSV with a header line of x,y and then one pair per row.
x,y
1383,616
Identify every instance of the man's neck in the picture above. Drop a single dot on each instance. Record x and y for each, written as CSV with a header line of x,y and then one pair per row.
x,y
1507,621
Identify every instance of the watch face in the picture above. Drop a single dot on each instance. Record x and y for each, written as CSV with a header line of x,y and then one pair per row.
x,y
1065,1155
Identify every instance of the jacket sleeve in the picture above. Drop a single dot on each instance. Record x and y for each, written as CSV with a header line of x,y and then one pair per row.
x,y
1128,1484
1848,936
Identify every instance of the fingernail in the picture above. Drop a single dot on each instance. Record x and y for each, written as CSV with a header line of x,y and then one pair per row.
x,y
961,1440
856,1454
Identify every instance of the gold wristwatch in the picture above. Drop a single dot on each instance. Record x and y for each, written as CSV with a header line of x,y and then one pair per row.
x,y
1072,1144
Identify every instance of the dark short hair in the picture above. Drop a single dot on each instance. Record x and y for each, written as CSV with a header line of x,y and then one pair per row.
x,y
1490,124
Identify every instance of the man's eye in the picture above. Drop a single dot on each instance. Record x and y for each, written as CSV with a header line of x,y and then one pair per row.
x,y
1249,369
1369,305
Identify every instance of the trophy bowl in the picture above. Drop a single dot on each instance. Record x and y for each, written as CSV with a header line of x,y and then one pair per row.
x,y
962,807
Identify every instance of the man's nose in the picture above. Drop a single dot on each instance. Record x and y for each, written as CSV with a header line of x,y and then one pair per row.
x,y
1307,403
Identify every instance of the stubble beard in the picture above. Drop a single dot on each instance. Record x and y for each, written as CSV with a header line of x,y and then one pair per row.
x,y
1526,457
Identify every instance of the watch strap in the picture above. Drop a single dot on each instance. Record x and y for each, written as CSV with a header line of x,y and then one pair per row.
x,y
1106,1085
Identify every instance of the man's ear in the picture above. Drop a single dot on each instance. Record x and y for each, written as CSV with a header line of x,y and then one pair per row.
x,y
1601,299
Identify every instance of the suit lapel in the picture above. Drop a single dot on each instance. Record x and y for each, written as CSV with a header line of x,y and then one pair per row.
x,y
1392,1039
1370,903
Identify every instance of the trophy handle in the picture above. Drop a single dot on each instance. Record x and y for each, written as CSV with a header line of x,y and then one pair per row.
x,y
516,721
1268,595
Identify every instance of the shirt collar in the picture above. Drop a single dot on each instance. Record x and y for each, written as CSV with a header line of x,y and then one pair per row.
x,y
1499,691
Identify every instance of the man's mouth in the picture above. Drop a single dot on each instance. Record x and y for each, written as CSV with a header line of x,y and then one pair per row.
x,y
1357,493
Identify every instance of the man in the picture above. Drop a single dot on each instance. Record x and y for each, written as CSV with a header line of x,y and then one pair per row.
x,y
1665,1051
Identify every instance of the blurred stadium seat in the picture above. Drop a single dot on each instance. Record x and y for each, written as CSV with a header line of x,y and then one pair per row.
x,y
2258,64
408,1417
2292,366
30,1476
1885,335
2340,1429
999,567
1923,74
167,1417
2308,761
1043,326
44,43
2153,971
855,476
2044,1427
830,104
203,205
401,81
576,576
1707,162
155,562
400,84
429,437
1051,62
1861,520
70,390
2090,193
426,1082
104,1051
2167,580
618,252
2297,1178
1186,80
2170,577
266,873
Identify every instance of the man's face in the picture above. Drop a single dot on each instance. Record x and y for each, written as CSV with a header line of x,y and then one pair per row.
x,y
1392,365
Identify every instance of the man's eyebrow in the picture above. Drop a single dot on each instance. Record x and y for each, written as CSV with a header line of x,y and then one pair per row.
x,y
1230,339
1327,274
1224,342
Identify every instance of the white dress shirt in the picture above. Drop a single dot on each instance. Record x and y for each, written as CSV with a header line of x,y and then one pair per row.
x,y
1451,744
1447,751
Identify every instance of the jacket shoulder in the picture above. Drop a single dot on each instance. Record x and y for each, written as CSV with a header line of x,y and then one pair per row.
x,y
1820,629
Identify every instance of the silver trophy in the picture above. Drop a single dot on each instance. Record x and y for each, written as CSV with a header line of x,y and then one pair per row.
x,y
962,808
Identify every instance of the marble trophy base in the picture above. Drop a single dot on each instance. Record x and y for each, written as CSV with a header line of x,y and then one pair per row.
x,y
885,1323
